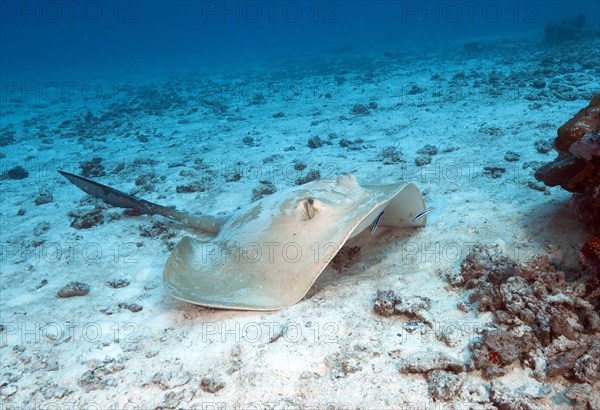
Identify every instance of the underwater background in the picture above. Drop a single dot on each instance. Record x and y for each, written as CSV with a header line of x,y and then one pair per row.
x,y
88,37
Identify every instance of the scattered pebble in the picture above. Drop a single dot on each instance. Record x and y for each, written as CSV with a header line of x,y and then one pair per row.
x,y
171,380
17,172
211,385
73,289
426,361
443,385
87,220
543,146
311,176
192,187
132,307
317,142
117,283
391,155
93,168
265,188
359,109
512,156
428,150
494,171
423,160
44,198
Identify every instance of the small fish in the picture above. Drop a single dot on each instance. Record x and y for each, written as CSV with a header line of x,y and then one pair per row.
x,y
422,214
376,223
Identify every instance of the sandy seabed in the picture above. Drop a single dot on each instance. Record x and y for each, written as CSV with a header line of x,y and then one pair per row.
x,y
469,127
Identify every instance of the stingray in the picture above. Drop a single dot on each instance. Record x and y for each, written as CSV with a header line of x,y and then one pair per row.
x,y
268,254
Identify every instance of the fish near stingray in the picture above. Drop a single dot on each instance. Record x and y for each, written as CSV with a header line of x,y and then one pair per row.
x,y
268,254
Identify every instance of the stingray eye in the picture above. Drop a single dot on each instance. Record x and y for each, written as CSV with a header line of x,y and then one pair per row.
x,y
306,209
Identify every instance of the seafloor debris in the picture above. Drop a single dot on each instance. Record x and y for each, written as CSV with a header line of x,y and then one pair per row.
x,y
388,303
542,320
74,289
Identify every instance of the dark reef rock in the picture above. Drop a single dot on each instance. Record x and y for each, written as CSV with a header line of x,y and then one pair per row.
x,y
577,167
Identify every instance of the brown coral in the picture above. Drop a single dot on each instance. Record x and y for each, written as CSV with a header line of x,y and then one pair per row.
x,y
578,146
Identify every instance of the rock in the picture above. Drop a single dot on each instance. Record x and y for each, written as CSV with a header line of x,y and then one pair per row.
x,y
511,156
90,381
73,289
428,150
93,168
171,380
577,167
197,186
265,188
385,302
506,399
391,155
359,109
543,146
87,220
311,176
346,365
534,390
426,361
211,385
43,198
422,160
474,391
538,83
564,363
587,368
17,172
579,393
443,385
299,166
494,171
388,304
117,283
316,142
7,390
132,307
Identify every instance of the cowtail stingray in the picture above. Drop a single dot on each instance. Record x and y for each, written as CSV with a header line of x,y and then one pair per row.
x,y
268,254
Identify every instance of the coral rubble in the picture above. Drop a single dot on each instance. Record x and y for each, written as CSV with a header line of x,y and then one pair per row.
x,y
541,320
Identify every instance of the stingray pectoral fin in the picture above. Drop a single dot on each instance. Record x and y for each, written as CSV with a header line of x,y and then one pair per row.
x,y
114,197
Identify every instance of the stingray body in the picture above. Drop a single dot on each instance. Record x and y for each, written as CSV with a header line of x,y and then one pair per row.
x,y
267,255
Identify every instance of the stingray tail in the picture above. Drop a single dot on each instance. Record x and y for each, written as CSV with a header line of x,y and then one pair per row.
x,y
114,197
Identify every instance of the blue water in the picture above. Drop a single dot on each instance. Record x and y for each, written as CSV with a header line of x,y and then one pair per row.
x,y
86,36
